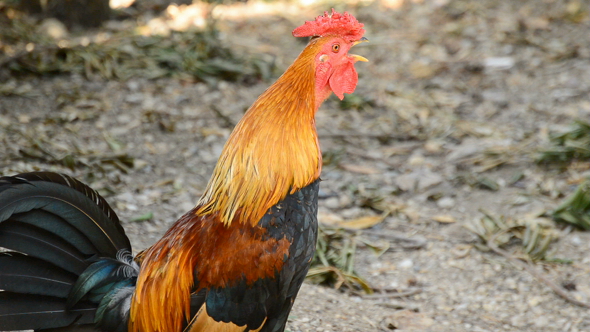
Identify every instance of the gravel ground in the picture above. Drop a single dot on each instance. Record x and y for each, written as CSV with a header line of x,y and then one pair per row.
x,y
457,94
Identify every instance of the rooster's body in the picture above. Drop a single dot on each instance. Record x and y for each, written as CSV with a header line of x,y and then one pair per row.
x,y
233,263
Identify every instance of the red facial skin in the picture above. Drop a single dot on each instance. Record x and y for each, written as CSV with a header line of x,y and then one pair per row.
x,y
335,70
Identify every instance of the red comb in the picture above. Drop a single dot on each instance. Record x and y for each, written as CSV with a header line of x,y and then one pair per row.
x,y
344,25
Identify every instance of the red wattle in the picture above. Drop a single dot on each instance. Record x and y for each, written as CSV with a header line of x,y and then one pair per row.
x,y
344,80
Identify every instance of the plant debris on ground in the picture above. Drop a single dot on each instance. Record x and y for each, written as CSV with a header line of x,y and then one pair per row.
x,y
333,263
569,145
195,53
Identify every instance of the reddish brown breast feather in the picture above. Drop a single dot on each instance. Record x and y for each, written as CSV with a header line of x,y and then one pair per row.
x,y
344,25
228,254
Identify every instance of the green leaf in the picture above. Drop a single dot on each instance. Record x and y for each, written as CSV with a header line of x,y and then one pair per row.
x,y
144,217
575,209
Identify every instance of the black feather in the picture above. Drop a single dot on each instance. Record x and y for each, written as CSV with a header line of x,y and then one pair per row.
x,y
197,301
73,183
93,277
59,232
28,275
69,199
25,312
113,311
41,244
58,226
104,272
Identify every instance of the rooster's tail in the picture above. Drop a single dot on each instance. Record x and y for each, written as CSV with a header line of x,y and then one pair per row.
x,y
66,260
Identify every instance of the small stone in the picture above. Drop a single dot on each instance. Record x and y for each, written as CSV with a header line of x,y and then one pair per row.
x,y
150,228
445,203
24,118
576,240
126,197
405,264
420,179
510,283
133,85
332,203
345,200
185,206
534,301
351,213
489,307
541,321
53,28
433,146
416,159
518,321
135,98
501,63
463,151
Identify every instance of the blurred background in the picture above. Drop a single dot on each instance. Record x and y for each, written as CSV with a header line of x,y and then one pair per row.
x,y
455,193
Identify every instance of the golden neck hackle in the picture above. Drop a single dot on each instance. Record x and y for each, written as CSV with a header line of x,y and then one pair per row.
x,y
273,151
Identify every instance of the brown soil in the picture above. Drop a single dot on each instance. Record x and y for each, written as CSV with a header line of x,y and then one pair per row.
x,y
450,85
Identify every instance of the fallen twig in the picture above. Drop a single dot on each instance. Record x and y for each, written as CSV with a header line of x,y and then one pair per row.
x,y
228,122
538,275
399,305
367,135
414,242
394,295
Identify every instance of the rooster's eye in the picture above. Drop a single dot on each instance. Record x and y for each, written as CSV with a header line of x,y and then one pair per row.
x,y
335,48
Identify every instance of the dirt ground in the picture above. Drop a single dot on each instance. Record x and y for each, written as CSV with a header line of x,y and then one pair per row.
x,y
455,103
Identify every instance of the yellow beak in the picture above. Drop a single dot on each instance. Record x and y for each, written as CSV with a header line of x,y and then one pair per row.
x,y
362,40
358,57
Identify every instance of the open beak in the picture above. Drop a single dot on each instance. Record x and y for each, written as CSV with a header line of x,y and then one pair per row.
x,y
362,40
358,57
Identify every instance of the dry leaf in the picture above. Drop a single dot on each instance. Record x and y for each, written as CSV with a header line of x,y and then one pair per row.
x,y
214,131
330,219
363,222
443,218
408,320
361,169
422,70
397,150
462,250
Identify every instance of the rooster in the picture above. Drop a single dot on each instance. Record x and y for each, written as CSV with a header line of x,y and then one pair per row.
x,y
233,263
